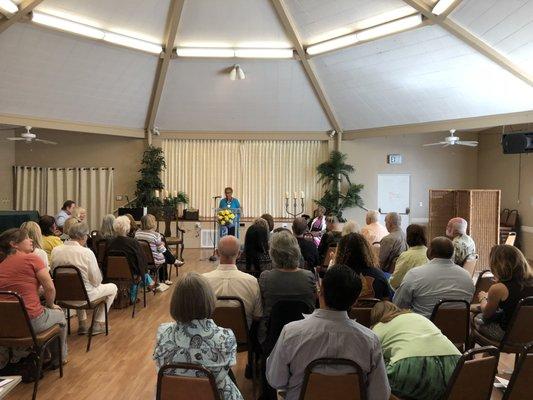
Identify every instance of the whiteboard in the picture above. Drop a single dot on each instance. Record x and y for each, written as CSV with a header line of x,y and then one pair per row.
x,y
394,194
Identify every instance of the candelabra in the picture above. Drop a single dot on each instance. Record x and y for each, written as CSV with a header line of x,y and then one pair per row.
x,y
295,213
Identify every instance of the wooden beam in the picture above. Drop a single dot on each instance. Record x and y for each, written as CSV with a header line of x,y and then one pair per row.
x,y
473,41
290,29
25,8
245,135
61,125
488,121
174,14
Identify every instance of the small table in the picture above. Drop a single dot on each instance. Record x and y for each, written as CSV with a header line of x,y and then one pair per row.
x,y
4,390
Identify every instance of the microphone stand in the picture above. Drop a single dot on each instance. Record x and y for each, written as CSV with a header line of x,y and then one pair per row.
x,y
213,256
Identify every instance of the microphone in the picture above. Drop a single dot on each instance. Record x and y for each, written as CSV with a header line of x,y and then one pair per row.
x,y
127,199
217,197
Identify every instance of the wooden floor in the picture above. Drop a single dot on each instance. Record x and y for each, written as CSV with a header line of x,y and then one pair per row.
x,y
120,366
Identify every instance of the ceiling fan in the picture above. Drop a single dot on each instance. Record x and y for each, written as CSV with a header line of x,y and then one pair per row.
x,y
453,140
29,137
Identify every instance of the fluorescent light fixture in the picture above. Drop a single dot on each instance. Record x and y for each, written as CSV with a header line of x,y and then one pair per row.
x,y
390,27
8,6
204,52
263,53
332,44
65,25
442,6
133,43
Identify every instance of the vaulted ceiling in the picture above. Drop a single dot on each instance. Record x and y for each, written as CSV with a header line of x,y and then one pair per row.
x,y
474,60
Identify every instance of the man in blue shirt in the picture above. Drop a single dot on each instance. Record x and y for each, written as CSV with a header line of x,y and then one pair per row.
x,y
232,203
65,213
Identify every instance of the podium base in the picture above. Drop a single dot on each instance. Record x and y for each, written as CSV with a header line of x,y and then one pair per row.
x,y
213,258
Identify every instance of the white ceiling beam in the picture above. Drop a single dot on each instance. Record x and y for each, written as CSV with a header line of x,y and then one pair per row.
x,y
290,29
471,40
483,122
25,8
173,19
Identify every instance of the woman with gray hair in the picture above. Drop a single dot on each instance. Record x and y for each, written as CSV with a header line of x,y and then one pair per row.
x,y
194,336
122,244
106,231
286,281
73,252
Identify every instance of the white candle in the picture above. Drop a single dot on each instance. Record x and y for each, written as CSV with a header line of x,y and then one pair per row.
x,y
295,195
286,195
156,193
175,193
165,193
302,194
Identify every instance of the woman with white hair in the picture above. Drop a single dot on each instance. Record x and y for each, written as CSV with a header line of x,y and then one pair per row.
x,y
106,231
286,280
129,247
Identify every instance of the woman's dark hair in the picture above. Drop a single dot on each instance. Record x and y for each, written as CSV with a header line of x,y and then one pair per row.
x,y
416,235
270,219
341,286
46,223
281,229
15,235
355,252
255,245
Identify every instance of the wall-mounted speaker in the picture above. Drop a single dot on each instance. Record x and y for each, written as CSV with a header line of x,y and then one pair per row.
x,y
515,143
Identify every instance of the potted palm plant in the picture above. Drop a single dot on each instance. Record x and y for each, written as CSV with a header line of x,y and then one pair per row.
x,y
340,193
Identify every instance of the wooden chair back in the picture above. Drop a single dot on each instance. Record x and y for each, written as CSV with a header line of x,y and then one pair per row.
x,y
201,386
362,309
452,317
519,387
470,264
118,268
504,215
484,281
511,238
14,319
148,255
472,378
232,316
519,331
101,247
69,284
321,386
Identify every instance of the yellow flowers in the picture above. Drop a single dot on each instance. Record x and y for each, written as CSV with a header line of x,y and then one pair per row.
x,y
225,217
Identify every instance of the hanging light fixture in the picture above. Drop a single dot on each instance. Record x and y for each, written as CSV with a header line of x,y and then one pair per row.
x,y
237,73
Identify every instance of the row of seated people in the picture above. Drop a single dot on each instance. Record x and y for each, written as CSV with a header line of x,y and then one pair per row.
x,y
403,342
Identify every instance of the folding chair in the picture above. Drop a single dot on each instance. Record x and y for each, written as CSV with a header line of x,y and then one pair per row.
x,y
472,378
150,262
452,317
362,309
16,331
470,264
72,294
185,387
118,269
519,387
321,386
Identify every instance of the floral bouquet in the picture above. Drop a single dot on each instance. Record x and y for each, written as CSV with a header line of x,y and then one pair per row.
x,y
225,217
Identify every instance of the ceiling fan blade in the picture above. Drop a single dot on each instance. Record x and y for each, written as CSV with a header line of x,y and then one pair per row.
x,y
468,143
15,138
45,141
434,144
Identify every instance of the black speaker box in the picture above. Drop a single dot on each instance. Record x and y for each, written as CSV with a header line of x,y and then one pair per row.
x,y
515,143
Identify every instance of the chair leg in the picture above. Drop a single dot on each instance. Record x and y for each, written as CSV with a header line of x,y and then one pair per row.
x,y
106,321
68,321
60,352
248,371
91,328
144,294
182,247
135,301
40,356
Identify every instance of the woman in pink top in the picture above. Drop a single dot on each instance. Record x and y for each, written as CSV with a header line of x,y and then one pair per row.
x,y
23,272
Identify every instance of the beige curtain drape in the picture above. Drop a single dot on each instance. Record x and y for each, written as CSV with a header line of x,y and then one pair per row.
x,y
45,190
259,171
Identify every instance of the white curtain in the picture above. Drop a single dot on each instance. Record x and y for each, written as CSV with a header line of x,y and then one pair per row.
x,y
45,190
259,171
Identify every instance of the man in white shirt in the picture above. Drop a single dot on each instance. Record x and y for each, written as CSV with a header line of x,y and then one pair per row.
x,y
227,280
73,252
439,279
464,246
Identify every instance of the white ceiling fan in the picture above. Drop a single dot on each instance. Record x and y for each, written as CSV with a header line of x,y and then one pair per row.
x,y
453,140
29,137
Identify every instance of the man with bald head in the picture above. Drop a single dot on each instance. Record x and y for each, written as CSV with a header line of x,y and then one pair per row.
x,y
464,246
392,245
422,287
227,280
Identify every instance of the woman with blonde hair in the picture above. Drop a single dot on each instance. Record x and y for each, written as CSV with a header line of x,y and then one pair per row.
x,y
514,281
79,213
419,359
194,335
34,233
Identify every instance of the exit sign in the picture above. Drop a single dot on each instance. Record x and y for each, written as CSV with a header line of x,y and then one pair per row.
x,y
394,159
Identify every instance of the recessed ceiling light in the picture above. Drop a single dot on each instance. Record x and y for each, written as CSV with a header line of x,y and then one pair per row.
x,y
264,53
204,52
442,6
8,6
332,44
133,43
390,27
66,25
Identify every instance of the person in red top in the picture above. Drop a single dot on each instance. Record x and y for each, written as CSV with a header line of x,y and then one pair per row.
x,y
23,272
